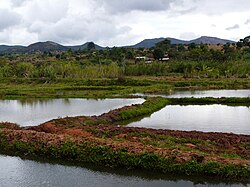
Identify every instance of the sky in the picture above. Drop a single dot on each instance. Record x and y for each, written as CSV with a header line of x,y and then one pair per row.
x,y
120,22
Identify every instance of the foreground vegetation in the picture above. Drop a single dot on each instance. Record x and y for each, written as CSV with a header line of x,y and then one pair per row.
x,y
120,152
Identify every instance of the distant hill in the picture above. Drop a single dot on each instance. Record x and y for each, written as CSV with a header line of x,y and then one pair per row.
x,y
45,46
11,48
36,47
148,43
84,46
211,40
50,46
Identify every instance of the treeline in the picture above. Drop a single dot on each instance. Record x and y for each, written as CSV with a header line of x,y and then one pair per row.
x,y
62,69
202,52
192,60
202,69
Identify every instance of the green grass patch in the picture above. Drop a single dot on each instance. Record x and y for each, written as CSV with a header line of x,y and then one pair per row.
x,y
210,100
148,107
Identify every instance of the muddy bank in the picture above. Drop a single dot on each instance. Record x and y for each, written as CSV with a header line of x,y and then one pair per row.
x,y
99,140
192,153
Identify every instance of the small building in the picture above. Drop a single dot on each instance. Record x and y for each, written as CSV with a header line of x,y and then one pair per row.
x,y
165,58
141,58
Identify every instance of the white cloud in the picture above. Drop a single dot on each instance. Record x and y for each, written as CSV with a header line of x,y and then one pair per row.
x,y
120,22
8,19
188,35
43,11
17,3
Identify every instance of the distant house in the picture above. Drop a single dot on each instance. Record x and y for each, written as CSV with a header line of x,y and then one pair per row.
x,y
165,58
145,59
141,58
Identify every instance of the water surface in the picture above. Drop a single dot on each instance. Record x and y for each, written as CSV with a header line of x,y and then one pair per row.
x,y
35,111
207,118
203,93
25,173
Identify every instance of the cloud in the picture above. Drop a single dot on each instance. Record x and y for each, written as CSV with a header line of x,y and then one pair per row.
x,y
215,7
121,6
188,35
119,22
8,19
247,21
236,26
17,3
44,11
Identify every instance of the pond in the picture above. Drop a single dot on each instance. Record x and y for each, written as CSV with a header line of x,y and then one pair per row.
x,y
35,111
207,118
15,171
202,93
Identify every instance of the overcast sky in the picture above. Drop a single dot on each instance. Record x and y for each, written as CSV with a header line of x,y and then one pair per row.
x,y
120,22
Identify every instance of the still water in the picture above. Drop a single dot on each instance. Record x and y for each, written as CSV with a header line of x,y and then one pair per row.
x,y
203,93
207,118
35,112
15,172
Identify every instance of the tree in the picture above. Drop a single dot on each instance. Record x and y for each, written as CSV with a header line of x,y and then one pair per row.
x,y
192,46
164,45
246,41
239,45
158,54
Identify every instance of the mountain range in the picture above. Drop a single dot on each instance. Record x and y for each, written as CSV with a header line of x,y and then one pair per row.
x,y
148,43
50,46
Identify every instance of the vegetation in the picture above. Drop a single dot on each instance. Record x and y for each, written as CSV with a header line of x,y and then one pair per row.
x,y
107,88
160,151
210,100
191,60
116,71
148,107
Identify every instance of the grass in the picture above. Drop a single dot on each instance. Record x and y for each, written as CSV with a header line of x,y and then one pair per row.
x,y
14,88
148,107
210,100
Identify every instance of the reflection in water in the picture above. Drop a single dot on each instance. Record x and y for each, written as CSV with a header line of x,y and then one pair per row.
x,y
34,112
17,172
207,118
33,101
203,93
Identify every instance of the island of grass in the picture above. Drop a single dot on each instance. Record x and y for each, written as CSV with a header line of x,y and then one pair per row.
x,y
102,141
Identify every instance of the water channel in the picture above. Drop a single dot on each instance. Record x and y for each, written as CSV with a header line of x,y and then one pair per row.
x,y
16,172
202,93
